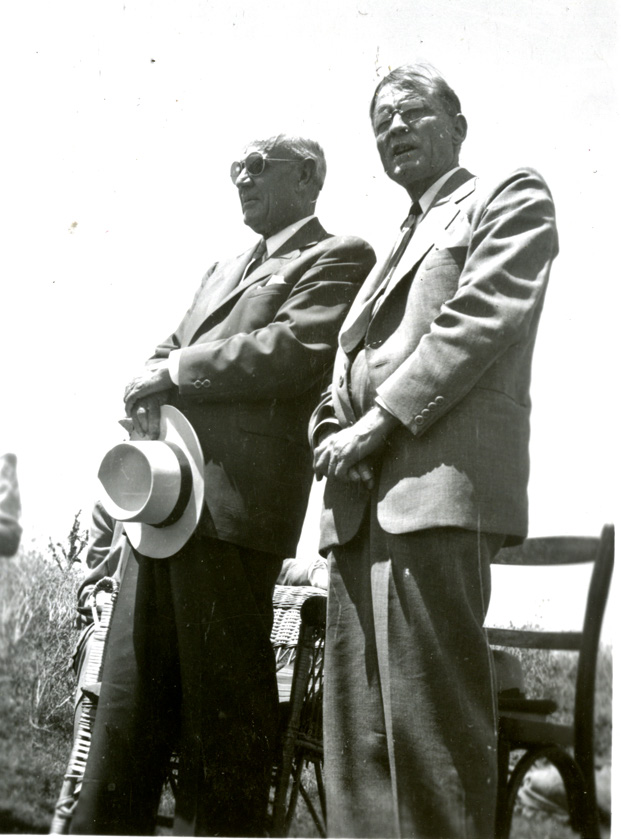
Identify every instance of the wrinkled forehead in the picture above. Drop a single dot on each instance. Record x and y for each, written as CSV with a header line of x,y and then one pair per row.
x,y
393,95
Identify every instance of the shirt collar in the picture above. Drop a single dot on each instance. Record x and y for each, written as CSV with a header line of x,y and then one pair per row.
x,y
278,239
430,195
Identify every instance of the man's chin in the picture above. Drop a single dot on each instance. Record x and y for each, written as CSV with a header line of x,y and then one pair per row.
x,y
402,175
405,164
409,173
252,221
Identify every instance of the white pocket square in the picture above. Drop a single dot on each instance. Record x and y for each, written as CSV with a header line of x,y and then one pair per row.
x,y
275,279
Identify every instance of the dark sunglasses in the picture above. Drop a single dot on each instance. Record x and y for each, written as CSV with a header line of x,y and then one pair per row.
x,y
254,164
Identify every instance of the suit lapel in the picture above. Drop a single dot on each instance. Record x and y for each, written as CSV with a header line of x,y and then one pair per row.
x,y
228,285
432,225
216,289
436,220
307,236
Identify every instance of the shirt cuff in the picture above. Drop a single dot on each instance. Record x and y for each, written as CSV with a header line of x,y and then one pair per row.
x,y
331,425
174,359
379,401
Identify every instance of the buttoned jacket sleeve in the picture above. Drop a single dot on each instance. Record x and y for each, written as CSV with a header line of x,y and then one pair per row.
x,y
500,290
278,337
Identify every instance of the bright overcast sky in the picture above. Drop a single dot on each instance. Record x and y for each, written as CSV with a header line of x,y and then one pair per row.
x,y
120,122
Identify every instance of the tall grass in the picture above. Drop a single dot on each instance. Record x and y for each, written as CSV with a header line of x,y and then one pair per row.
x,y
37,613
553,675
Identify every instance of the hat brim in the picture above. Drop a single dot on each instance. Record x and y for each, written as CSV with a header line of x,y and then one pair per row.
x,y
163,542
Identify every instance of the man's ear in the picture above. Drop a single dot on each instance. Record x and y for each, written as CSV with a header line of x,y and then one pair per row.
x,y
307,172
460,129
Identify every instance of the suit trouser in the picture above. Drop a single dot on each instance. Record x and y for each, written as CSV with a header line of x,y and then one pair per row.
x,y
188,666
410,719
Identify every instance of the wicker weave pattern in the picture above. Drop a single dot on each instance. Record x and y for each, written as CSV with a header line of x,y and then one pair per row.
x,y
72,781
287,602
286,627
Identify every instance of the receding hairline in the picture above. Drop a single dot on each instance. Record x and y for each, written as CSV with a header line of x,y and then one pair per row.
x,y
302,147
417,76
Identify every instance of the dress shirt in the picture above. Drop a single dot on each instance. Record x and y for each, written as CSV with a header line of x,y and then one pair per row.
x,y
428,197
272,245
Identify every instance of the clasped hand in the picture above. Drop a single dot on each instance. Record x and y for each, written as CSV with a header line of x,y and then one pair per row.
x,y
345,455
145,395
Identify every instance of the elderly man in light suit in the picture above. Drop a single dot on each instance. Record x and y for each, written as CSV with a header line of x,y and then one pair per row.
x,y
423,439
189,662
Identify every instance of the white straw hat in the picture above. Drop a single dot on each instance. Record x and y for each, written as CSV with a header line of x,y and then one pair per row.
x,y
156,487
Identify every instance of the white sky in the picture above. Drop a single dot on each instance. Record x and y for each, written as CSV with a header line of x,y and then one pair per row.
x,y
120,122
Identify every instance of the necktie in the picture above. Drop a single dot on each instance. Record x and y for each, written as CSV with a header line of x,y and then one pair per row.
x,y
257,258
355,333
407,231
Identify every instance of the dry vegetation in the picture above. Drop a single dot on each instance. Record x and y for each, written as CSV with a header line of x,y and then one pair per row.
x,y
37,601
37,611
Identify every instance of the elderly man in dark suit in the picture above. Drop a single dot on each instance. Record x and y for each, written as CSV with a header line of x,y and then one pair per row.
x,y
424,442
246,366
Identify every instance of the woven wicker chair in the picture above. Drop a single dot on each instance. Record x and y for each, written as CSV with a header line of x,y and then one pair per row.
x,y
297,664
72,780
302,740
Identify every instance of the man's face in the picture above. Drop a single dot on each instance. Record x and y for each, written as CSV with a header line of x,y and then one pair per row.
x,y
272,200
416,139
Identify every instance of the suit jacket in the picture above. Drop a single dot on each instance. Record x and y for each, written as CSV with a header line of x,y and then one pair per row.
x,y
258,353
448,348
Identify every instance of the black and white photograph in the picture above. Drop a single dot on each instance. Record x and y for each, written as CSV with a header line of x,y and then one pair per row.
x,y
307,447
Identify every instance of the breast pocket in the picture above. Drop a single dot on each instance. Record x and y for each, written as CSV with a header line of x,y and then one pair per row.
x,y
281,290
451,259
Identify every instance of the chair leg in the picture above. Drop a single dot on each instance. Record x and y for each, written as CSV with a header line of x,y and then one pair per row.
x,y
503,815
582,807
321,790
583,817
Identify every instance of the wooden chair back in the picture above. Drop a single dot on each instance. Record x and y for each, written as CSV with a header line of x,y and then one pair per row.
x,y
523,724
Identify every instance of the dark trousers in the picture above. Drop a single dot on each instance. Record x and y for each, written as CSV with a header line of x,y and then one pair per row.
x,y
409,722
189,666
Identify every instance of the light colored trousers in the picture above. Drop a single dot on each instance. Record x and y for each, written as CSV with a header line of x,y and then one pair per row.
x,y
410,708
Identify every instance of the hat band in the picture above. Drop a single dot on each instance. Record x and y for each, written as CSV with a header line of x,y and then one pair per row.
x,y
185,487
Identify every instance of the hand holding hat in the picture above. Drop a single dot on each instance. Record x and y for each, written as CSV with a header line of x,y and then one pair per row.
x,y
145,395
156,487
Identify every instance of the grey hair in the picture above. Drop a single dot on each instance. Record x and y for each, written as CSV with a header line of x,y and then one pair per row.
x,y
411,76
298,147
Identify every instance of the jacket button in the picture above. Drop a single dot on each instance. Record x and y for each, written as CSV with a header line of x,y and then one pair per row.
x,y
439,400
432,406
206,383
425,413
419,420
197,384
